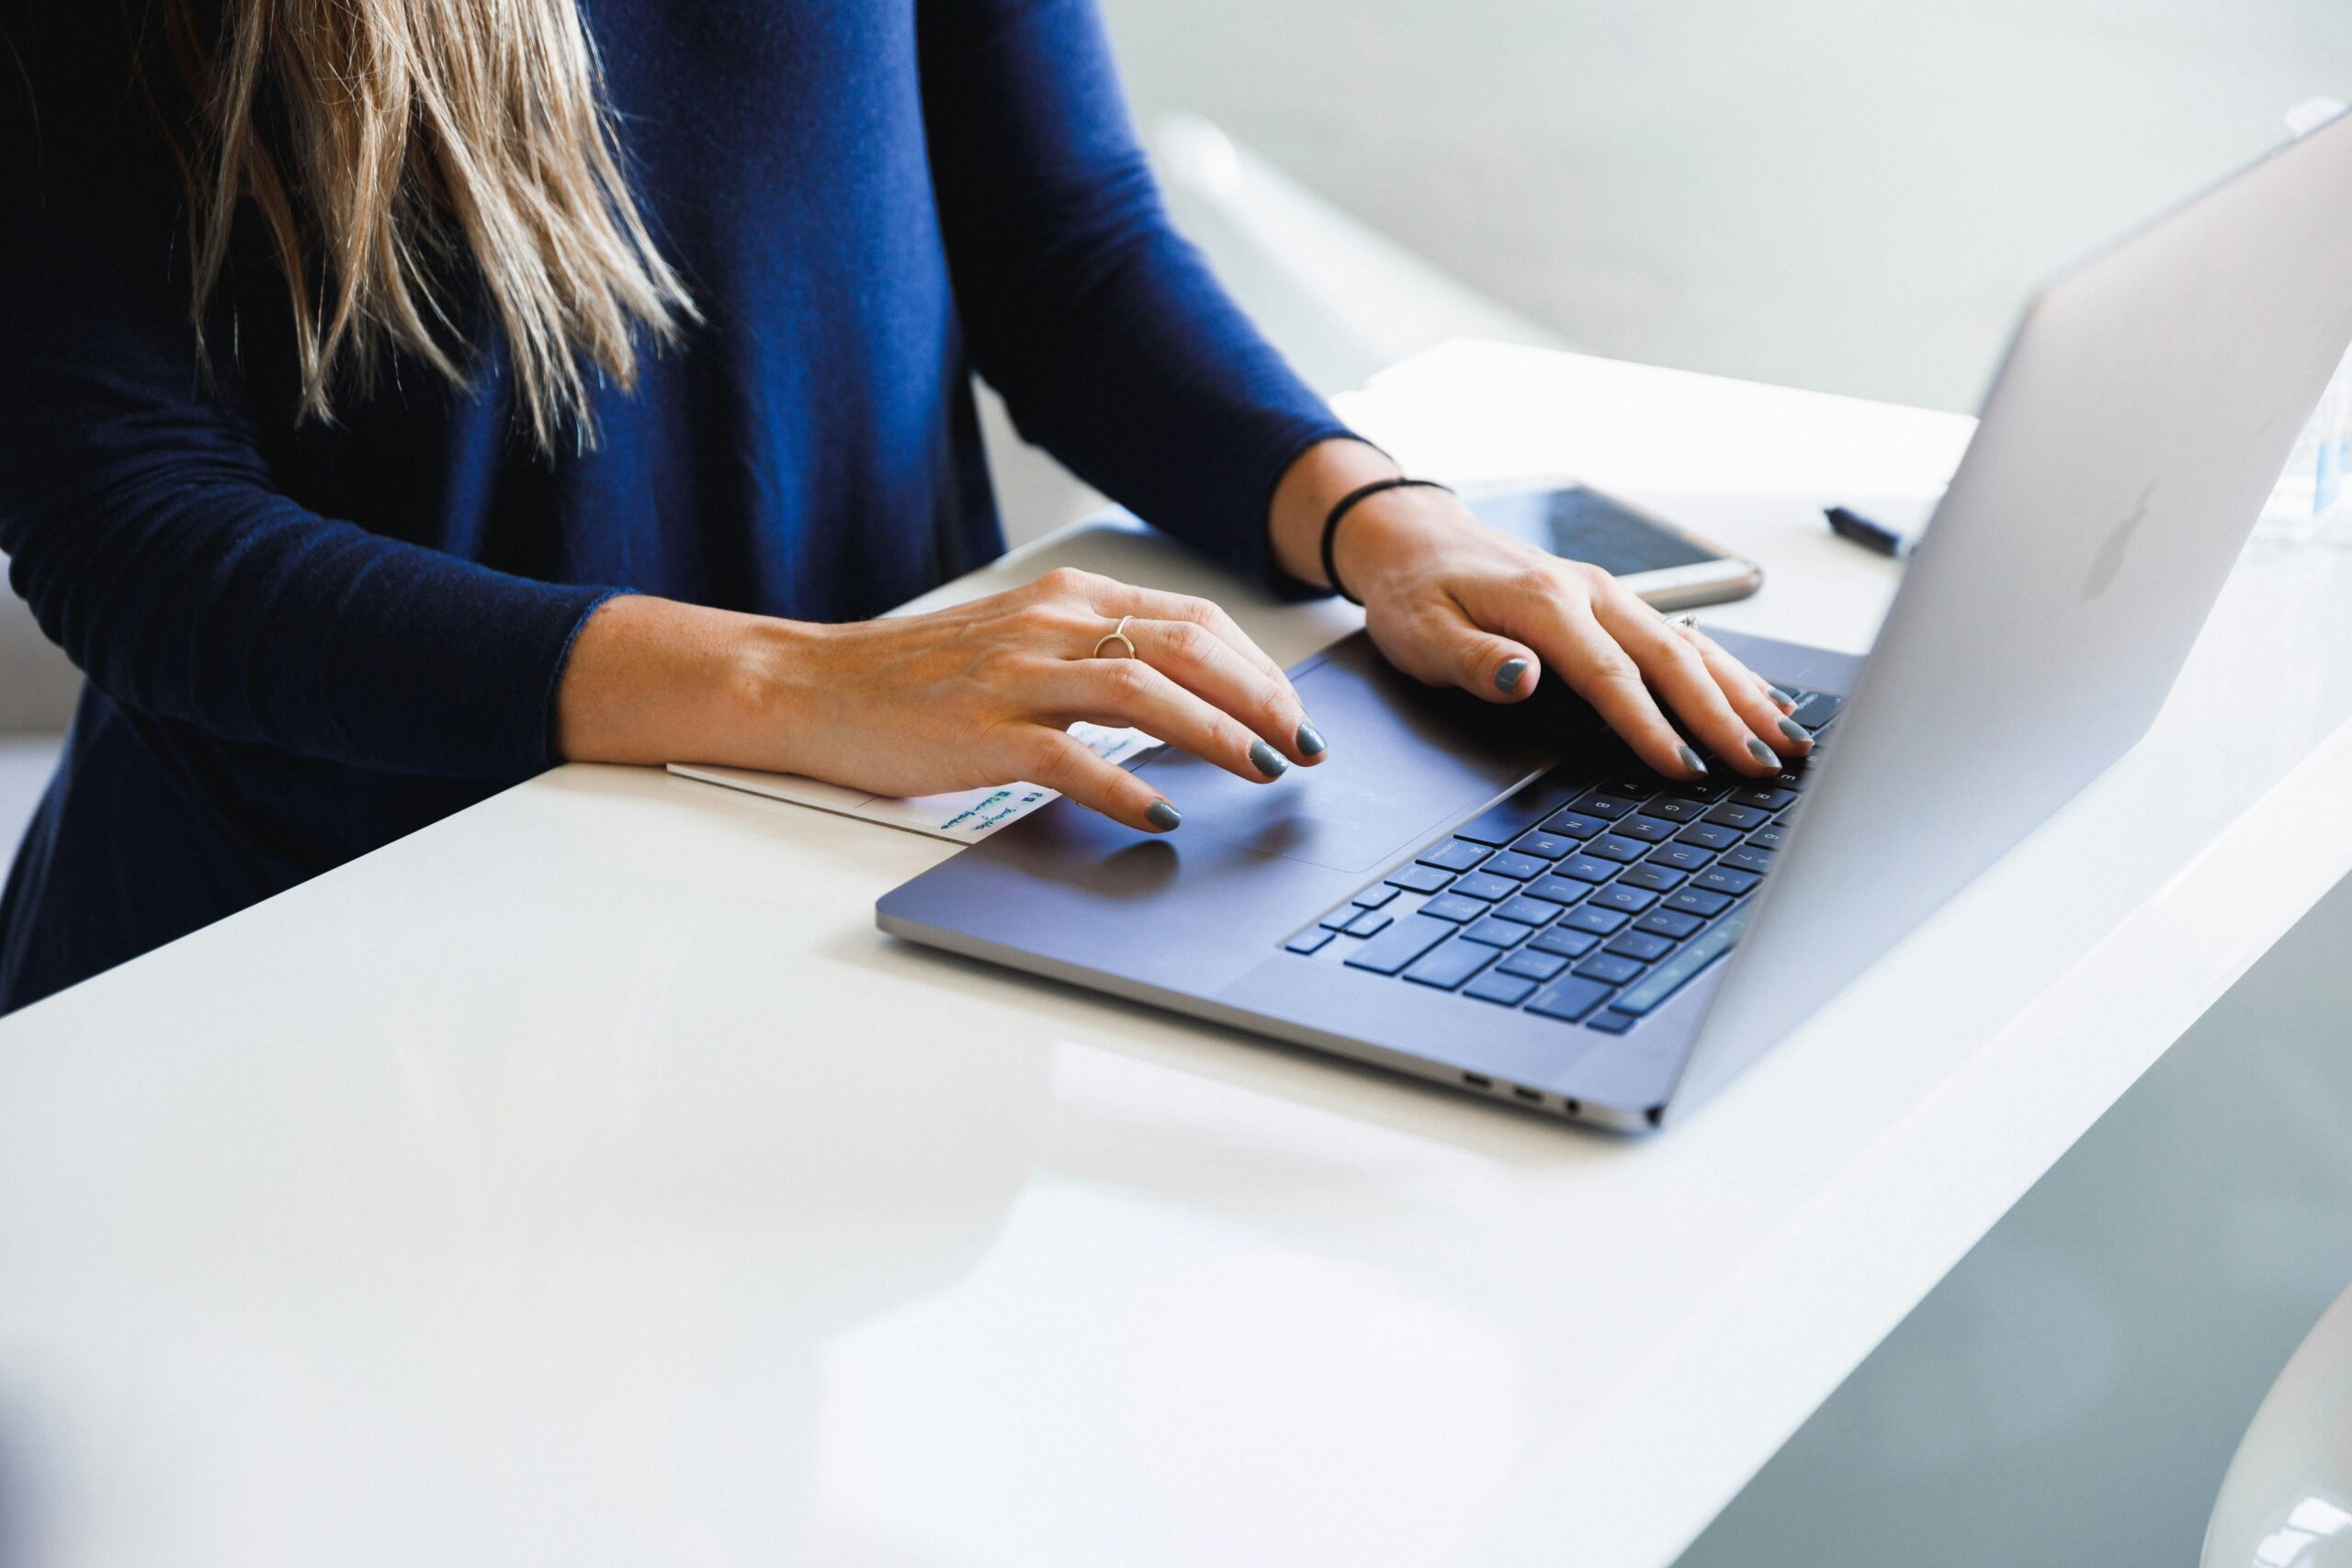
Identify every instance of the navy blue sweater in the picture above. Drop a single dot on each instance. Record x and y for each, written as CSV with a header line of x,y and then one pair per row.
x,y
302,641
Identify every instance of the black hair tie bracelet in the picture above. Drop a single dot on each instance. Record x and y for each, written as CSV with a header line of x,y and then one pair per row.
x,y
1347,503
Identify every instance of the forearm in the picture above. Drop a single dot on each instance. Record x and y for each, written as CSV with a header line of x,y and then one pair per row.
x,y
655,681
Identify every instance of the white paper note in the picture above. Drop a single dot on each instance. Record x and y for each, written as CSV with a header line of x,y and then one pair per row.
x,y
961,816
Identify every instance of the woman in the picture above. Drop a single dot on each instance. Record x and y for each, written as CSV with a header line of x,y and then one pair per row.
x,y
400,395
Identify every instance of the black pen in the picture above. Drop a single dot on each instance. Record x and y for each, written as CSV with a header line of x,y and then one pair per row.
x,y
1874,537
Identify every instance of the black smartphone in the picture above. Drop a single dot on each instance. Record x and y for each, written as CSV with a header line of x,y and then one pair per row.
x,y
1668,565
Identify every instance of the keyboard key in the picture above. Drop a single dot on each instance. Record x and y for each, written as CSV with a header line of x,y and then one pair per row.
x,y
1399,945
1484,884
1519,867
1623,850
1542,846
1454,907
1648,829
1707,790
1722,879
1654,878
1585,868
1681,857
1454,854
1565,942
1336,920
1573,825
1697,901
1600,802
1558,890
1740,817
1530,964
1607,968
1376,897
1496,987
1369,922
1314,940
1669,922
1764,797
1816,708
1707,836
1641,945
1527,911
1601,922
1674,809
1569,998
1671,975
1447,967
1420,878
1495,933
1609,1021
1507,819
1771,838
1630,900
1747,857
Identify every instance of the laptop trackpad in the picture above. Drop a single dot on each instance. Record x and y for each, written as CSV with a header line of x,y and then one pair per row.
x,y
1404,759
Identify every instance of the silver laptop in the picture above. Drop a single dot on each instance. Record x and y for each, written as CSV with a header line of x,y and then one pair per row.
x,y
1502,899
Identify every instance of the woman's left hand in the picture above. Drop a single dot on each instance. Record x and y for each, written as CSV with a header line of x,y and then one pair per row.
x,y
1455,602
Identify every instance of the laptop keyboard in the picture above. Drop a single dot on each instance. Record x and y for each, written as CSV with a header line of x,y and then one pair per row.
x,y
1590,896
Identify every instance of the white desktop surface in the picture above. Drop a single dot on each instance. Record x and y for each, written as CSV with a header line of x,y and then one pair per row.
x,y
584,1180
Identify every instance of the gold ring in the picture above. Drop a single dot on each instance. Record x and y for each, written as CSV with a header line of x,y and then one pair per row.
x,y
1116,634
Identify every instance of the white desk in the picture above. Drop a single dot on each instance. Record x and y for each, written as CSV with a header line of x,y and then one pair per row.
x,y
584,1180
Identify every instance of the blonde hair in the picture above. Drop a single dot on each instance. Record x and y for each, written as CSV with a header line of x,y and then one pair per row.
x,y
383,140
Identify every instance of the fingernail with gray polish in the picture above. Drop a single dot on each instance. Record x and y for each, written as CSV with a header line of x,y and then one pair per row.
x,y
1761,752
1164,816
1692,764
1310,740
1782,697
1507,678
1267,760
1796,732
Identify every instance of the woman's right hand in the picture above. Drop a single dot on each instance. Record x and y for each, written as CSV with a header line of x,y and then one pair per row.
x,y
980,693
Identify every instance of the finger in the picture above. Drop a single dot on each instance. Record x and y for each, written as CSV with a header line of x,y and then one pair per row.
x,y
1446,648
1130,692
1757,700
1566,635
1114,599
1673,666
1060,762
1213,669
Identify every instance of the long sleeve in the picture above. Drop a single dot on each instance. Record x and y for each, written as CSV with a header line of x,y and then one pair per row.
x,y
137,502
1115,347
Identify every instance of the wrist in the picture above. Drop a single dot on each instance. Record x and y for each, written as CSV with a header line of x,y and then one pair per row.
x,y
655,681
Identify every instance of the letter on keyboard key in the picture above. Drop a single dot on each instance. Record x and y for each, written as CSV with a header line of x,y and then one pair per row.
x,y
1707,836
1722,879
1497,986
1454,854
1520,868
1495,933
1740,817
1600,922
1420,878
1680,857
1747,857
1668,923
1631,900
1573,825
1584,868
1674,809
1530,964
1698,901
1623,851
1558,889
1600,802
1607,968
1565,942
1568,1000
1454,907
1527,911
1484,884
1447,967
1651,878
1400,944
1542,846
1641,946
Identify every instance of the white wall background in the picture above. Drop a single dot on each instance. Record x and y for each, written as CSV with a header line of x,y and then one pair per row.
x,y
1851,195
